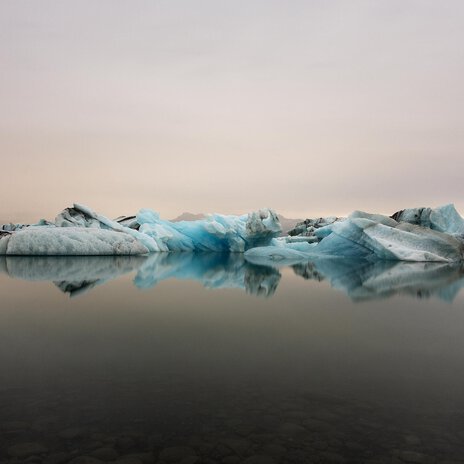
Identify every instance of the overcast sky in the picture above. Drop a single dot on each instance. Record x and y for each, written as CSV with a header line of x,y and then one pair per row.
x,y
309,107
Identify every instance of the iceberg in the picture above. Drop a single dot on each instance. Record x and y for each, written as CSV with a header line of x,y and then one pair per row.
x,y
432,235
46,241
81,231
417,234
280,252
443,219
217,232
364,235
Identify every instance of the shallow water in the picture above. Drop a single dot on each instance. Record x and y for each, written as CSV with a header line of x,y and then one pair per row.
x,y
207,358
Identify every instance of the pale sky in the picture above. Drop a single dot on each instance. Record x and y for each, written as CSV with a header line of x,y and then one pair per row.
x,y
309,107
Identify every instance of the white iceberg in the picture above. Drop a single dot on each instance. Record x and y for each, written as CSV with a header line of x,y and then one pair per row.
x,y
419,234
65,241
81,231
364,234
443,219
439,237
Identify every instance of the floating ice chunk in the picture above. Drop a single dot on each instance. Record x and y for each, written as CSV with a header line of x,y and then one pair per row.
x,y
56,241
422,234
364,234
279,252
444,218
216,232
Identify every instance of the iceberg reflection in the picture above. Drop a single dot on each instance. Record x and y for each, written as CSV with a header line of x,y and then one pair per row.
x,y
74,275
213,270
359,279
364,280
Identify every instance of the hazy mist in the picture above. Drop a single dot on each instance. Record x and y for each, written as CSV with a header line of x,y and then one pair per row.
x,y
310,107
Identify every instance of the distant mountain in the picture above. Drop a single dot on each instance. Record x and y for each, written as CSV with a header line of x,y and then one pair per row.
x,y
287,223
189,217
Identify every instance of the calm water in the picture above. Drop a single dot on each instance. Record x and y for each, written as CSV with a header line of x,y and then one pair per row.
x,y
210,359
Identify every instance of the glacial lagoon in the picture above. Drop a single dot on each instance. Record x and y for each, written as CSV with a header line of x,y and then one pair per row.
x,y
208,358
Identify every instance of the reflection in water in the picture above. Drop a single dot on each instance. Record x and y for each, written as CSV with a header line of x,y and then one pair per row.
x,y
213,270
359,279
71,274
183,375
364,280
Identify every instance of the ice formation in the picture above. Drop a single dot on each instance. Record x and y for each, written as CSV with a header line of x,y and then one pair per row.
x,y
443,219
308,227
56,241
419,234
81,231
433,235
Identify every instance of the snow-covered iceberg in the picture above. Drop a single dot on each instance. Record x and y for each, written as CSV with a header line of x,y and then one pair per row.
x,y
437,235
58,241
419,234
364,234
81,231
443,219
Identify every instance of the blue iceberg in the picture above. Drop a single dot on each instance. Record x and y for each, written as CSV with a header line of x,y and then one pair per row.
x,y
418,234
421,234
81,231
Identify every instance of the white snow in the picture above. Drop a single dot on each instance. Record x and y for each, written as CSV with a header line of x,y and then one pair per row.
x,y
55,241
419,234
364,235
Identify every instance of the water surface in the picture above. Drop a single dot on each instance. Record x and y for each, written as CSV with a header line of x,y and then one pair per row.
x,y
207,358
